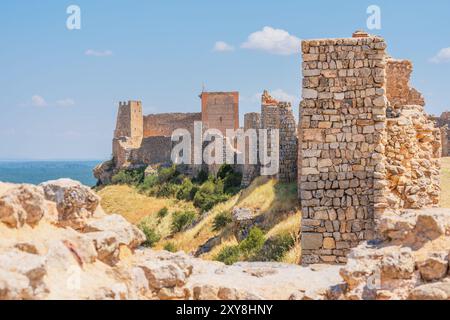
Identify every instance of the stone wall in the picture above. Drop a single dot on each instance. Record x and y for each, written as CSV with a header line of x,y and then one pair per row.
x,y
342,121
163,124
274,115
398,90
250,171
287,172
129,121
445,141
443,122
367,146
412,152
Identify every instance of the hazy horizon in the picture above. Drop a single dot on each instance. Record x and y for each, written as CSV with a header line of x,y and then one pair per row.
x,y
61,87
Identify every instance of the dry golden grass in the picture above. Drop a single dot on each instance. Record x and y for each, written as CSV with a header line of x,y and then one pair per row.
x,y
126,201
445,182
277,202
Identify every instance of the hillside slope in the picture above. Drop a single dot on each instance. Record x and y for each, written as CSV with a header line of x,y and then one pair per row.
x,y
274,206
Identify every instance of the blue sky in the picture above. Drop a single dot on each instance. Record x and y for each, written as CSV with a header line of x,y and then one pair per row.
x,y
60,87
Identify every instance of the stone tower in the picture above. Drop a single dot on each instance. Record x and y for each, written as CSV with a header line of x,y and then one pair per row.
x,y
220,110
130,122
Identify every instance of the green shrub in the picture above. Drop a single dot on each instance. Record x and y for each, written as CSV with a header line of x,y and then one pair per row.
x,y
221,220
149,182
163,212
232,183
224,171
209,194
170,246
253,243
129,176
201,177
167,174
206,201
187,190
229,255
167,190
152,237
276,247
182,219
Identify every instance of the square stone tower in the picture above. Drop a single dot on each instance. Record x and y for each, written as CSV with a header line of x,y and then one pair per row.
x,y
130,122
220,110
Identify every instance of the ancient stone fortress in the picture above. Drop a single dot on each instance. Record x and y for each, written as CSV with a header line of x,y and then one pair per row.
x,y
141,140
367,148
364,147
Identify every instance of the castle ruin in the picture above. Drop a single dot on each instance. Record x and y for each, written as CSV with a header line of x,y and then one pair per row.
x,y
363,148
142,140
366,145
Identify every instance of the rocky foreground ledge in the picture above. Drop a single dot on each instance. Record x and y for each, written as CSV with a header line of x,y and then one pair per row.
x,y
57,243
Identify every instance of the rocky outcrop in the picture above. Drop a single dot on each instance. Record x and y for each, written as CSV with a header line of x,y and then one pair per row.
x,y
410,261
56,243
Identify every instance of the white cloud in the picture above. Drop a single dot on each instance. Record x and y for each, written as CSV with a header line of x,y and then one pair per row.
x,y
442,56
276,41
98,53
38,101
65,102
221,46
281,95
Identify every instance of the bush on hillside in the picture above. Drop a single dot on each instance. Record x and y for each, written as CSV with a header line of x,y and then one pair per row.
x,y
276,247
170,246
129,176
182,219
229,255
201,177
253,243
224,171
152,237
221,220
209,195
166,190
163,212
167,174
187,190
149,182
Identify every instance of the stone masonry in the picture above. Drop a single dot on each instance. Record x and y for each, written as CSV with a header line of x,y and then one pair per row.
x,y
288,144
350,151
250,171
275,115
443,122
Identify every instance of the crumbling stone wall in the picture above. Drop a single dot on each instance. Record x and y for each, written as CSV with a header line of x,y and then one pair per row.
x,y
445,141
163,124
274,115
412,152
398,90
443,122
367,146
342,121
288,144
250,171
